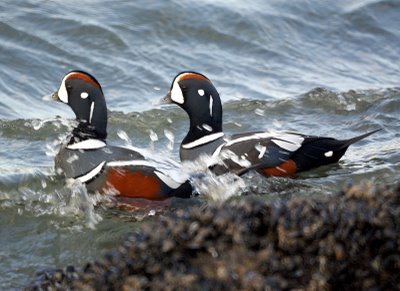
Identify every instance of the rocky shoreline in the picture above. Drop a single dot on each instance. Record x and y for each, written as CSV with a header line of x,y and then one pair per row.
x,y
350,240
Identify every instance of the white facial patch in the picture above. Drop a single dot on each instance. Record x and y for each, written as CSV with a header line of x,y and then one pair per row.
x,y
84,95
329,154
201,92
62,92
176,93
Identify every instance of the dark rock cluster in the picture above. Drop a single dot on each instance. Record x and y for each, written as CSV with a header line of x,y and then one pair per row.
x,y
350,240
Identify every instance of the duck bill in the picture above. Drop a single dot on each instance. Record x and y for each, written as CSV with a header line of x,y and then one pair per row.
x,y
55,97
51,97
166,99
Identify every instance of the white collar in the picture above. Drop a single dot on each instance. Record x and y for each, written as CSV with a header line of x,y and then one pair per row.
x,y
203,140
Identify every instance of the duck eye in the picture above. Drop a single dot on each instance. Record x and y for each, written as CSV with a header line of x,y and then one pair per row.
x,y
69,87
184,89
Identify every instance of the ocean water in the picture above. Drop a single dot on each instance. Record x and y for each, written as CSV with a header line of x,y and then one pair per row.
x,y
317,67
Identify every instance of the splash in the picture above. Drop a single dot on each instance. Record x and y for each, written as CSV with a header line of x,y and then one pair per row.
x,y
69,203
124,136
170,136
209,185
46,195
162,160
57,122
217,188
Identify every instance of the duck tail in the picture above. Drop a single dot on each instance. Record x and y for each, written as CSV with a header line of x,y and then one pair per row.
x,y
348,142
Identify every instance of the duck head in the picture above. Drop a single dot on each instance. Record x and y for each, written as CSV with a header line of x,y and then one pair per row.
x,y
83,93
196,94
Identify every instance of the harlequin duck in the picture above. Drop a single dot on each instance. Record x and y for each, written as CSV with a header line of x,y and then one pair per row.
x,y
87,157
271,153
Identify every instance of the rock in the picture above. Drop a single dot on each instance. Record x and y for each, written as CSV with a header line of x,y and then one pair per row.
x,y
345,241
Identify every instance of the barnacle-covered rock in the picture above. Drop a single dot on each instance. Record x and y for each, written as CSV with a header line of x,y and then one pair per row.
x,y
350,240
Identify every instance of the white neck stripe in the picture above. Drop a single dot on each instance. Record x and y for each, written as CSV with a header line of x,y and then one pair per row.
x,y
88,144
211,105
91,112
176,93
203,140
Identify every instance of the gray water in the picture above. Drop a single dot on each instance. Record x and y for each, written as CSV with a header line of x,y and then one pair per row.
x,y
318,67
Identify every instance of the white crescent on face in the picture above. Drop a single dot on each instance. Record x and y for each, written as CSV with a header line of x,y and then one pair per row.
x,y
176,92
62,92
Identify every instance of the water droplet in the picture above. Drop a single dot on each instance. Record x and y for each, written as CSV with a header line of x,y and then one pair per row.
x,y
153,135
259,111
72,158
124,136
276,123
170,136
36,124
44,183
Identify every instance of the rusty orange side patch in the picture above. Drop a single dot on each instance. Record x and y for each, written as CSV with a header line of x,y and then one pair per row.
x,y
285,169
132,184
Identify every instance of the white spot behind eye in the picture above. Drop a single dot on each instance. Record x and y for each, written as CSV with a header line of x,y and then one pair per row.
x,y
84,95
328,154
201,92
